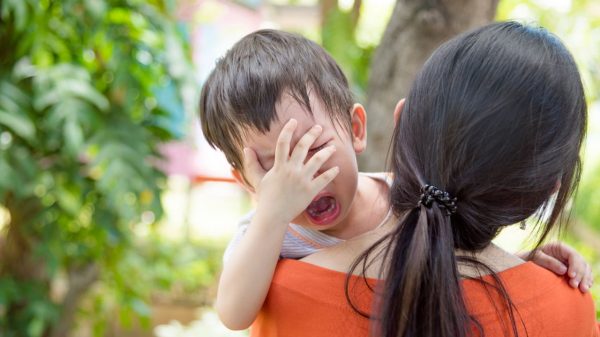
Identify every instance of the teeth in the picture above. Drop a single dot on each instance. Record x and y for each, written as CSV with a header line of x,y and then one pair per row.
x,y
316,208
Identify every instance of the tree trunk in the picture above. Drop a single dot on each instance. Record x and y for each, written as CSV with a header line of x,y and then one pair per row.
x,y
80,281
326,7
415,29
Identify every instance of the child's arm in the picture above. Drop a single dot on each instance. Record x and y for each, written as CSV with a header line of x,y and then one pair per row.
x,y
283,192
562,259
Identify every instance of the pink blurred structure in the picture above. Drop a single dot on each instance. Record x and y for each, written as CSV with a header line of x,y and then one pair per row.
x,y
186,160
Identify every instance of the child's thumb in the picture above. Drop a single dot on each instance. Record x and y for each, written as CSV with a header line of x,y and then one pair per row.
x,y
252,168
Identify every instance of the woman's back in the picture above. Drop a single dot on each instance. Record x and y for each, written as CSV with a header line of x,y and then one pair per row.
x,y
308,298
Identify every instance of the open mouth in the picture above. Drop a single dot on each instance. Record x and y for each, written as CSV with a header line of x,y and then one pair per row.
x,y
323,210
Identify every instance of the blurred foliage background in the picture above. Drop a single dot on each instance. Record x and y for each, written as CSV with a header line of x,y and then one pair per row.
x,y
90,89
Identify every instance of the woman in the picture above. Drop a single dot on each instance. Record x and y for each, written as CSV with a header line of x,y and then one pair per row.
x,y
489,137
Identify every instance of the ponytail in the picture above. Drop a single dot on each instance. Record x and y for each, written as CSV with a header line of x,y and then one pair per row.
x,y
422,290
422,294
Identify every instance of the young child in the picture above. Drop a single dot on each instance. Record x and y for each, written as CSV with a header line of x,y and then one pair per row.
x,y
280,109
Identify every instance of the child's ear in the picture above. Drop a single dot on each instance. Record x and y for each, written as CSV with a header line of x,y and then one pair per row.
x,y
398,110
239,177
359,128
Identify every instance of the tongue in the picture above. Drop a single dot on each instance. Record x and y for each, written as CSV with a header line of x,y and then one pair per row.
x,y
321,205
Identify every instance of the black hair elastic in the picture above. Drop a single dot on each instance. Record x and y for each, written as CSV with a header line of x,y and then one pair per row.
x,y
430,193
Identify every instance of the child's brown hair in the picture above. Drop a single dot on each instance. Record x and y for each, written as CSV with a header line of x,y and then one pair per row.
x,y
242,90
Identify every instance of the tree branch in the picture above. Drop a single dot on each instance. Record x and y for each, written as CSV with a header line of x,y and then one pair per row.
x,y
80,280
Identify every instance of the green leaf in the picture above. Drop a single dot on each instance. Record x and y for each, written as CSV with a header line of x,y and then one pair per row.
x,y
12,98
19,10
69,200
19,124
67,88
73,137
35,328
8,291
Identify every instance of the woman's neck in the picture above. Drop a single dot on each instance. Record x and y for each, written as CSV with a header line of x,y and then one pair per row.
x,y
494,257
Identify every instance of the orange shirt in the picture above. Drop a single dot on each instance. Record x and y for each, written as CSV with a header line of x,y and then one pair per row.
x,y
308,300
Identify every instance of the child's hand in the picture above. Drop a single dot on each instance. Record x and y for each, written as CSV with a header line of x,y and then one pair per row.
x,y
562,259
288,188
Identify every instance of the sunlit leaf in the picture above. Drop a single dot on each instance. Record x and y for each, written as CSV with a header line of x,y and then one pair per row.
x,y
73,137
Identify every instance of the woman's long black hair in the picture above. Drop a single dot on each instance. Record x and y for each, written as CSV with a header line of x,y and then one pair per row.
x,y
496,118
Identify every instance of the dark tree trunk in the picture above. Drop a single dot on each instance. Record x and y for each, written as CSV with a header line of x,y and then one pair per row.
x,y
415,29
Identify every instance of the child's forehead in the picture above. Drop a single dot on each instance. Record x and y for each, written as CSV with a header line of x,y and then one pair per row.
x,y
288,107
266,141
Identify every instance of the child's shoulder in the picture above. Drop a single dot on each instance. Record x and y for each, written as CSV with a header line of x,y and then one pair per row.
x,y
375,188
386,177
376,182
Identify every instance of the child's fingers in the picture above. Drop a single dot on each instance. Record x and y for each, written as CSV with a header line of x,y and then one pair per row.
x,y
300,151
576,272
546,261
324,178
559,251
576,280
587,280
316,161
282,149
577,267
252,168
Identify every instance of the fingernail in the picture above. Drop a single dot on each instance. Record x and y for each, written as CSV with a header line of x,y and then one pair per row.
x,y
317,128
572,274
562,270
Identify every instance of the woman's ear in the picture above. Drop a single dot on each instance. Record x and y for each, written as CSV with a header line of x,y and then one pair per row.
x,y
398,110
239,177
359,128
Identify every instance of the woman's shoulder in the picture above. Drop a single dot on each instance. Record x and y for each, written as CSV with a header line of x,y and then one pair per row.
x,y
524,283
308,300
541,300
